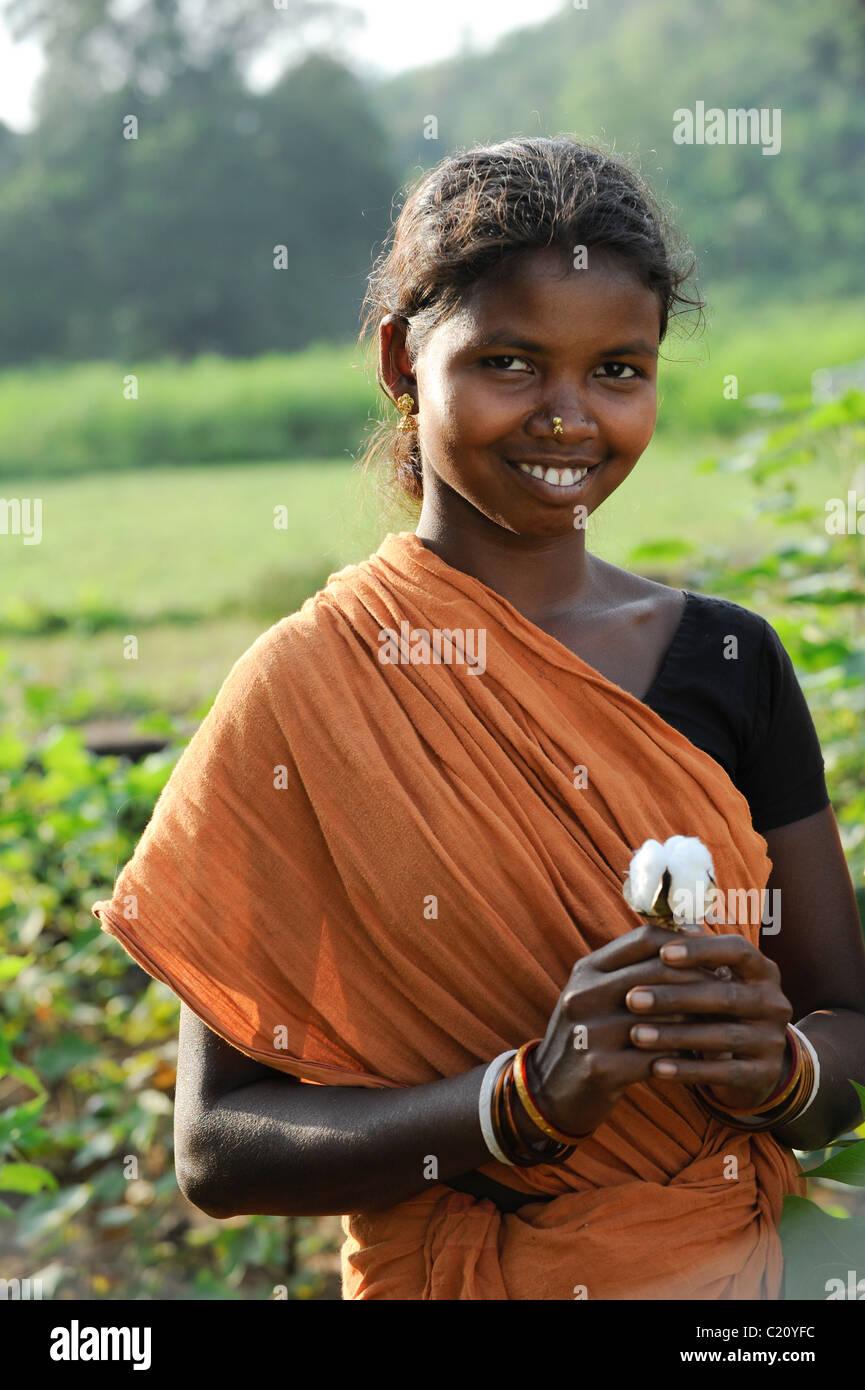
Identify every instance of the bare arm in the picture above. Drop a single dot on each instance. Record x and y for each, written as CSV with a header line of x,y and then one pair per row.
x,y
249,1139
820,953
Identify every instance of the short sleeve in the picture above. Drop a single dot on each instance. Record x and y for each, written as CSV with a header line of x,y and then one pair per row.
x,y
783,771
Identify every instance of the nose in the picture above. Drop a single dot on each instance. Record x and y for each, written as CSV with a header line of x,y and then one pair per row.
x,y
565,417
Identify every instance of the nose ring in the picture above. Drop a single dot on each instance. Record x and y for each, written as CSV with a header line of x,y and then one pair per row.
x,y
558,427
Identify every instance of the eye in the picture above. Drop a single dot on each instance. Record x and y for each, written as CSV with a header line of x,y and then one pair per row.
x,y
626,367
506,358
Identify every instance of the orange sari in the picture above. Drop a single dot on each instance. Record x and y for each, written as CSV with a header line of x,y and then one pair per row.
x,y
380,872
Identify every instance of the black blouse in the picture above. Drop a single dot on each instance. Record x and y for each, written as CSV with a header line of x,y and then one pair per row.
x,y
746,709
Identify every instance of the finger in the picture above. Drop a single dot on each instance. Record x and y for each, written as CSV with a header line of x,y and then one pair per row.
x,y
640,944
653,971
733,952
611,1034
725,998
743,1039
744,1073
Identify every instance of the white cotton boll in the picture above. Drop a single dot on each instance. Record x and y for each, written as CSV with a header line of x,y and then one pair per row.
x,y
692,877
645,876
688,849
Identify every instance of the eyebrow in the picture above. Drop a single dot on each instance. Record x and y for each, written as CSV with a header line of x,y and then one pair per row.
x,y
638,348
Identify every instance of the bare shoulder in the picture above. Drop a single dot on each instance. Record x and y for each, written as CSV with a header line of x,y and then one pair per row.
x,y
634,595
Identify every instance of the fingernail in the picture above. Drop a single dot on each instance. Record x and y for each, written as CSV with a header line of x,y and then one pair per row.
x,y
640,999
665,1068
674,952
645,1034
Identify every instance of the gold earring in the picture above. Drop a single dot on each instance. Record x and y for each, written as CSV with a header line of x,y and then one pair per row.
x,y
558,427
405,405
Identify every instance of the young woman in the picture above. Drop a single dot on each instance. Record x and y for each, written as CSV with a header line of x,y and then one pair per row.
x,y
392,856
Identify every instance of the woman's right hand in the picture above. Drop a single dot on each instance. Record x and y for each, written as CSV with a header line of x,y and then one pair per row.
x,y
577,1077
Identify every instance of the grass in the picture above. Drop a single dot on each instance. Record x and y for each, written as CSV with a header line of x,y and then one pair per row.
x,y
60,420
191,539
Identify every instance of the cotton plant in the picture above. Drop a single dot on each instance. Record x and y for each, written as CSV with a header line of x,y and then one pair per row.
x,y
673,884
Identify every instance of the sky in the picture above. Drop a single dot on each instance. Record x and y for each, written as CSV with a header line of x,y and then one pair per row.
x,y
395,36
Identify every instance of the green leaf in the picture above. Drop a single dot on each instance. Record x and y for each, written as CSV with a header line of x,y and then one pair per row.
x,y
847,1166
817,1248
67,1051
10,966
26,1075
860,1090
12,752
47,1213
156,723
850,408
25,1177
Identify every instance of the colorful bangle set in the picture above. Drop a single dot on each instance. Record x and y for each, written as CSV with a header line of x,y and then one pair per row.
x,y
790,1098
505,1078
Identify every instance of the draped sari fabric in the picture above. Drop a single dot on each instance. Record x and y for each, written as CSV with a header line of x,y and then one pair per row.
x,y
381,872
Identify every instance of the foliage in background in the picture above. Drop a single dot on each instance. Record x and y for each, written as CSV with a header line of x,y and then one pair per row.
x,y
62,421
88,1046
168,243
814,589
814,593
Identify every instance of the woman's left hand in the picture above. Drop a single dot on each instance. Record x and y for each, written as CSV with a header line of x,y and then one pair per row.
x,y
742,1025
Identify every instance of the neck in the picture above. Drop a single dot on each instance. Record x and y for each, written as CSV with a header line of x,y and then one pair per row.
x,y
543,577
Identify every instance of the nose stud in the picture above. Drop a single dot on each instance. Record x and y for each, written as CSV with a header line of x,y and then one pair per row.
x,y
558,427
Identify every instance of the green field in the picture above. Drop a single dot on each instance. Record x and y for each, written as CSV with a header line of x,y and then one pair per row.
x,y
158,512
189,561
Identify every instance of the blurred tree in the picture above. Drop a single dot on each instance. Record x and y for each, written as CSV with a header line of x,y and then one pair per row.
x,y
617,74
95,46
125,248
128,248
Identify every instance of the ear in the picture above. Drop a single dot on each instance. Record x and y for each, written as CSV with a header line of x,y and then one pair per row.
x,y
395,374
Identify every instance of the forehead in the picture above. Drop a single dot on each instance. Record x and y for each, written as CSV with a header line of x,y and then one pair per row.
x,y
541,291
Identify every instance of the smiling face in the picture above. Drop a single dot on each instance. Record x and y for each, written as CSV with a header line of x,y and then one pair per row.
x,y
541,340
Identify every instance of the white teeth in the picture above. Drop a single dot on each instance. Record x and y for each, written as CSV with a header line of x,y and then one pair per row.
x,y
565,477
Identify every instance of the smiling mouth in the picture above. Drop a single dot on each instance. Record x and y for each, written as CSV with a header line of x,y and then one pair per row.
x,y
554,477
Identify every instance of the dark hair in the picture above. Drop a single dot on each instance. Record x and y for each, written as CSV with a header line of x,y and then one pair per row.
x,y
462,219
